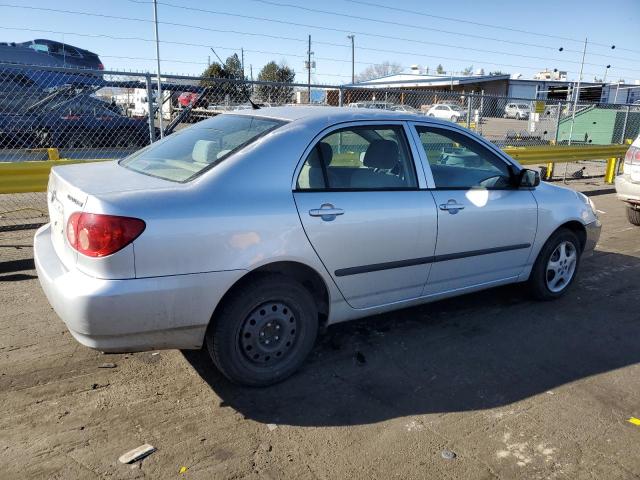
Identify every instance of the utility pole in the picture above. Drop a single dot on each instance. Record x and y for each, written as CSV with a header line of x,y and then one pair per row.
x,y
159,92
242,61
353,58
309,52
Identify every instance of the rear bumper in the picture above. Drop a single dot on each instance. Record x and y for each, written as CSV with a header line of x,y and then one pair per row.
x,y
593,235
134,314
626,190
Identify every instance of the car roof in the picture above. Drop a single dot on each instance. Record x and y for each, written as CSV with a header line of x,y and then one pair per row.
x,y
329,115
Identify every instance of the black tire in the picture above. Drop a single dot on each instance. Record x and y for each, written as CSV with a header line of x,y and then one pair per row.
x,y
236,338
633,216
538,280
453,118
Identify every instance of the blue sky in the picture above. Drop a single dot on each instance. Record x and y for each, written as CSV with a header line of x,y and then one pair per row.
x,y
614,22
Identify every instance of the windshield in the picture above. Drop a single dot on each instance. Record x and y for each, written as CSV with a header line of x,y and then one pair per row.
x,y
183,155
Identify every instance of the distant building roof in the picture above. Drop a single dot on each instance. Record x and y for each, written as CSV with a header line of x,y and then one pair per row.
x,y
417,80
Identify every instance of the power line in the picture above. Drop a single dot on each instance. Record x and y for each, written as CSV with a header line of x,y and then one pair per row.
x,y
288,38
265,52
174,24
422,28
471,22
387,37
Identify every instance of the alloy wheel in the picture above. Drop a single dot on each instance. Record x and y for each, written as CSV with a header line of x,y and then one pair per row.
x,y
561,266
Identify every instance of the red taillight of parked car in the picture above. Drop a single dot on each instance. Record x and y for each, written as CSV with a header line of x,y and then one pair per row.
x,y
97,235
100,66
632,156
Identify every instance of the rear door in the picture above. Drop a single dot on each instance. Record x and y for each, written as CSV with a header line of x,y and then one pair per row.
x,y
359,199
486,226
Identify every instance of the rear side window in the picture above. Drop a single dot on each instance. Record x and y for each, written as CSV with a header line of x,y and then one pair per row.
x,y
185,154
360,158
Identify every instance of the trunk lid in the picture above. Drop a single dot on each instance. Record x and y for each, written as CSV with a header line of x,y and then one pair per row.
x,y
71,186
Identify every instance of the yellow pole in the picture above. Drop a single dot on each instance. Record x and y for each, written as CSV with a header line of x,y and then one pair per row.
x,y
549,170
53,153
610,172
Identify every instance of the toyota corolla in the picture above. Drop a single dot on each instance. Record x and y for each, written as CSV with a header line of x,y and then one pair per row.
x,y
248,232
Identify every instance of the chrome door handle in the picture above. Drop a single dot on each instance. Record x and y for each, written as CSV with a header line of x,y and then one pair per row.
x,y
451,206
327,212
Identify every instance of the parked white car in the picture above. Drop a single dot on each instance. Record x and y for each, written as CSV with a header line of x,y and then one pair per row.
x,y
446,111
519,111
249,231
628,184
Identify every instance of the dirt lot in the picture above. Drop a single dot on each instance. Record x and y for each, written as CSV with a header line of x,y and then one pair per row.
x,y
517,389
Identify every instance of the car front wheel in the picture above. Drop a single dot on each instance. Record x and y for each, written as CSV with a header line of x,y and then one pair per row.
x,y
555,268
633,216
263,331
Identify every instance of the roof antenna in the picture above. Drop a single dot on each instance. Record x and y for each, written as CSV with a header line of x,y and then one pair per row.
x,y
254,106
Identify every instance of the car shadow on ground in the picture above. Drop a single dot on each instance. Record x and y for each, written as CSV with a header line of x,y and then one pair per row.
x,y
478,351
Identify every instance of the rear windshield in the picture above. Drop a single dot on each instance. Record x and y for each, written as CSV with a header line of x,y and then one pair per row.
x,y
185,154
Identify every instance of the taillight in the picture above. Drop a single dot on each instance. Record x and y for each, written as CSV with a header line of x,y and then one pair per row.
x,y
100,66
632,157
97,235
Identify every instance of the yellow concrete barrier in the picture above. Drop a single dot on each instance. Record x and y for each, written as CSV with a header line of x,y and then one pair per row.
x,y
564,153
21,177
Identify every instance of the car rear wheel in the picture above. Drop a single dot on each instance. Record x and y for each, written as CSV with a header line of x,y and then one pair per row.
x,y
555,268
633,215
453,118
264,331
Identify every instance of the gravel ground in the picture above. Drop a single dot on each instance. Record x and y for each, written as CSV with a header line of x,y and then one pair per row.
x,y
514,388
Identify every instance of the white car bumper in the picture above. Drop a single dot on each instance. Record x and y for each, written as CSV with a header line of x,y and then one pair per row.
x,y
134,314
628,190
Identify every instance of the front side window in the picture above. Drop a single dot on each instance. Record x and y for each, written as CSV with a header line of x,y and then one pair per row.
x,y
458,161
185,154
360,158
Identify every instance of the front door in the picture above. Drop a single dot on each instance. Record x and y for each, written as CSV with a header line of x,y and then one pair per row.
x,y
486,226
359,201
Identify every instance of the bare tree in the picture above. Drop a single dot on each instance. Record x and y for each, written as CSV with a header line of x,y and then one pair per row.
x,y
383,69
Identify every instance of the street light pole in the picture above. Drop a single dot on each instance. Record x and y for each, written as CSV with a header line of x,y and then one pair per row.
x,y
353,58
577,94
159,93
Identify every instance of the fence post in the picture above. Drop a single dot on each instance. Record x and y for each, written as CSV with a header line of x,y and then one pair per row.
x,y
624,126
558,121
469,111
340,96
152,127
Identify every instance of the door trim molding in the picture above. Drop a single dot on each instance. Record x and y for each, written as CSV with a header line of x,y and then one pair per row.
x,y
376,267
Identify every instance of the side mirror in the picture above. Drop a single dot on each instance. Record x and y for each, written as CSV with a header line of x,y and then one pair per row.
x,y
529,178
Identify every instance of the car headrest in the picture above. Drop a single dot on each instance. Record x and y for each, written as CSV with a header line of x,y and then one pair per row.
x,y
205,151
321,149
381,154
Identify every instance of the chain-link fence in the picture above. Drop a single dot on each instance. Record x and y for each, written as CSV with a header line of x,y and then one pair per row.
x,y
51,113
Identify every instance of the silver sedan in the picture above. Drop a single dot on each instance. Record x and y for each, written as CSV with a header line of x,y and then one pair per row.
x,y
247,232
